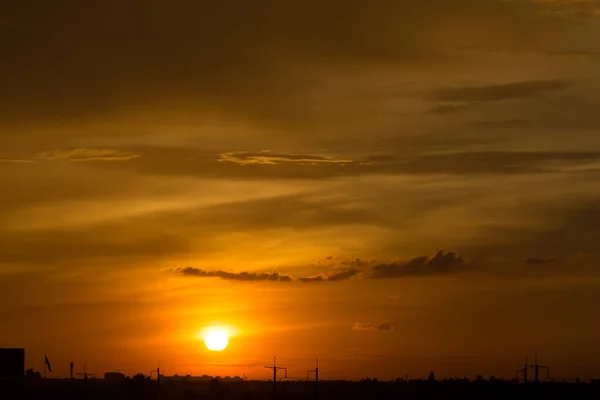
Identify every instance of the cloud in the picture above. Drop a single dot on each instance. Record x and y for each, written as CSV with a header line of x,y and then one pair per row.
x,y
413,159
311,279
441,263
266,157
234,55
383,327
16,161
508,91
342,276
241,276
262,277
88,155
539,261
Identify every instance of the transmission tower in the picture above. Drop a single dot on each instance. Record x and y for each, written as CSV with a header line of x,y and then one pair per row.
x,y
523,371
275,368
537,368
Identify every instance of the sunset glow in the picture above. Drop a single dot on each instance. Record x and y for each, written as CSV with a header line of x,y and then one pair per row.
x,y
389,186
216,339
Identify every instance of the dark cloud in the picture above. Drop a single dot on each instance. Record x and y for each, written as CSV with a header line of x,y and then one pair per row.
x,y
233,276
441,263
342,276
539,261
384,327
230,55
517,90
312,279
263,276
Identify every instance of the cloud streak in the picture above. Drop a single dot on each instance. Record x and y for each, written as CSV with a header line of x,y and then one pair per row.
x,y
508,91
262,276
88,155
16,161
261,165
367,326
539,261
266,157
232,276
441,263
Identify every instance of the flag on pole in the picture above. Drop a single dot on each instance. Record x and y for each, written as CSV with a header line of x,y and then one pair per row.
x,y
47,363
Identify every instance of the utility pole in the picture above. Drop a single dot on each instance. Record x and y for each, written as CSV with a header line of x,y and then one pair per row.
x,y
275,368
523,371
85,374
316,371
157,373
537,368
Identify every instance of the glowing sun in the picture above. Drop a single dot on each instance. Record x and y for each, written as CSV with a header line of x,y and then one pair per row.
x,y
216,339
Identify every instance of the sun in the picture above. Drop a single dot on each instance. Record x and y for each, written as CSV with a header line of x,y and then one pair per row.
x,y
216,339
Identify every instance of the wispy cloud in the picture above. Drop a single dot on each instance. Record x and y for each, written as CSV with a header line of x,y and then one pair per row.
x,y
262,276
88,155
539,261
233,276
498,92
368,326
441,263
16,160
266,157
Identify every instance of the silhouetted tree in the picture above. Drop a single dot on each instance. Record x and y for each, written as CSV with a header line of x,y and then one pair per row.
x,y
32,375
139,377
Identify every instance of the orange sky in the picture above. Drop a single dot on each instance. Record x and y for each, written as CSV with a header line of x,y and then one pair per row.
x,y
291,170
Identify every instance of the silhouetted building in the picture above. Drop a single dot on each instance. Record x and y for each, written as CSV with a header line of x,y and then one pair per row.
x,y
431,376
114,376
12,363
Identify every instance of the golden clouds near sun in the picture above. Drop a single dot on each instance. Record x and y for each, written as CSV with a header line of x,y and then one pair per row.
x,y
216,339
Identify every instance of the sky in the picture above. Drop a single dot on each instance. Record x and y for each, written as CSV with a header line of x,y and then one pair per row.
x,y
388,186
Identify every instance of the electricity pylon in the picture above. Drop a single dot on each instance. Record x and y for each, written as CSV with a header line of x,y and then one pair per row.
x,y
316,372
537,368
275,368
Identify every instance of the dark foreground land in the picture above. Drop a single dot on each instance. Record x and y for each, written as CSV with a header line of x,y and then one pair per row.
x,y
149,390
